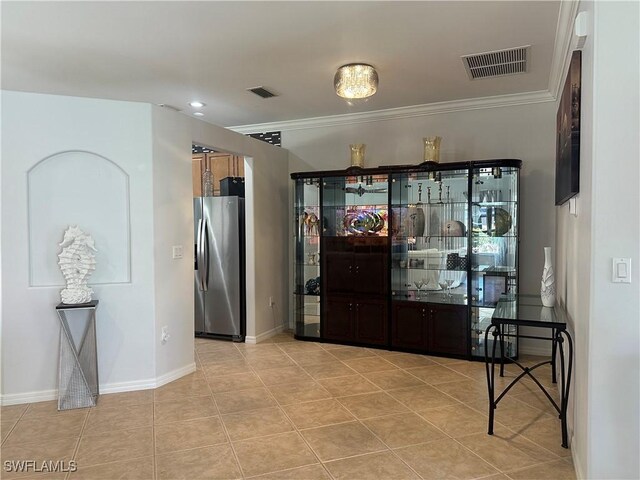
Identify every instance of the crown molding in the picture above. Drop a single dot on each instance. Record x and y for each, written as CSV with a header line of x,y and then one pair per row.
x,y
563,44
401,112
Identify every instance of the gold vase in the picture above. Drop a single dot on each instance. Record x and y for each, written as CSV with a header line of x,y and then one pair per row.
x,y
432,149
357,154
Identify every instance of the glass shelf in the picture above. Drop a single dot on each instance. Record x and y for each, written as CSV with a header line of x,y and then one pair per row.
x,y
494,204
396,268
477,234
426,204
426,237
426,296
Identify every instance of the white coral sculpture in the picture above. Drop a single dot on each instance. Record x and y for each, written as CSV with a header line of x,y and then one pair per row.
x,y
77,262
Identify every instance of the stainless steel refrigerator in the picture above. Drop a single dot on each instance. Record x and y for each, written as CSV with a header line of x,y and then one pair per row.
x,y
219,267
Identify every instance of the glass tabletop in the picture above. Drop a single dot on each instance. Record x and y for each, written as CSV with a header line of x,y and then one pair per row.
x,y
528,310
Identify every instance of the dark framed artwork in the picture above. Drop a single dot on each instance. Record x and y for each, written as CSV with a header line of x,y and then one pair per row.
x,y
568,134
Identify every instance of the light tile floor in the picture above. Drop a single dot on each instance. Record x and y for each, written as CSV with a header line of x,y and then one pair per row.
x,y
298,410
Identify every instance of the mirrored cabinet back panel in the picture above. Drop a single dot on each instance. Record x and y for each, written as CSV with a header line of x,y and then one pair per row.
x,y
410,258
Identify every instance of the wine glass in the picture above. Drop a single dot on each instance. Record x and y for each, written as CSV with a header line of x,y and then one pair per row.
x,y
449,282
419,284
443,285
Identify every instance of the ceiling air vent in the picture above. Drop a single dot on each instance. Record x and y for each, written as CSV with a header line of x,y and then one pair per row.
x,y
262,92
498,63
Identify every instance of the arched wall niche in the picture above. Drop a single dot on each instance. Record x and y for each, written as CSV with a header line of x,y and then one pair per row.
x,y
88,190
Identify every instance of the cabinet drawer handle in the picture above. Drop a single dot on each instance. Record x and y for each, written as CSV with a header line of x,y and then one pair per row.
x,y
350,268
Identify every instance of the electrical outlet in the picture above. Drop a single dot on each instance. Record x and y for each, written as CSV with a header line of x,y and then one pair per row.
x,y
164,336
271,302
178,251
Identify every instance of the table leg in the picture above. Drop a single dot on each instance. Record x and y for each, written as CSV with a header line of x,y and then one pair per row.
x,y
501,332
566,382
490,371
554,377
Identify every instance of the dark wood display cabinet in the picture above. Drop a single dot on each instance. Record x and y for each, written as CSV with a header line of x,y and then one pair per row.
x,y
410,258
355,305
435,328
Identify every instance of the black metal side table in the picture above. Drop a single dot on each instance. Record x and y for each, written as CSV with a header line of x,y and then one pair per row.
x,y
528,311
78,385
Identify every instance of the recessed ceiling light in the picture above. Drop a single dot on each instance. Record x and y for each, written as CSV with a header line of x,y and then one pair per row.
x,y
198,114
197,104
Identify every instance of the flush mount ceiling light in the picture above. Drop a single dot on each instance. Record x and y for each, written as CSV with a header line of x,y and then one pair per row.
x,y
355,81
196,104
198,114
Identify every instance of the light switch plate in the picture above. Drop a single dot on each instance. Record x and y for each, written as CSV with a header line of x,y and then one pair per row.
x,y
178,251
621,270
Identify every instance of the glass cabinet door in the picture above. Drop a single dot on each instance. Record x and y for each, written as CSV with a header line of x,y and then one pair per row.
x,y
494,247
355,206
429,230
307,257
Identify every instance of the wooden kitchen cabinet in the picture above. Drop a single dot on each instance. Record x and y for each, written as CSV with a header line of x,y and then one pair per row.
x,y
222,165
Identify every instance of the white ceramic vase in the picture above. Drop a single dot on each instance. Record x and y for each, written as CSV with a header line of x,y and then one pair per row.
x,y
548,283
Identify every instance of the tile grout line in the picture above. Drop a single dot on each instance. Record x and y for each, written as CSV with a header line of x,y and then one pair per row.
x,y
15,424
362,423
514,429
456,439
224,427
446,434
76,450
389,449
295,427
153,439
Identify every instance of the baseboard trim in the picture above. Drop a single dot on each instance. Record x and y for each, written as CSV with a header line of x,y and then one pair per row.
x,y
29,397
576,463
265,335
45,395
175,374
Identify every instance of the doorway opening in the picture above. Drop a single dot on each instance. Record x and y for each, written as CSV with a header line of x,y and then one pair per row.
x,y
219,244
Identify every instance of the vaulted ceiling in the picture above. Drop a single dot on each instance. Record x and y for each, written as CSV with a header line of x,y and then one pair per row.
x,y
175,52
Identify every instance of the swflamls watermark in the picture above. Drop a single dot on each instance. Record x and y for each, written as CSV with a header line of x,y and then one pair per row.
x,y
35,466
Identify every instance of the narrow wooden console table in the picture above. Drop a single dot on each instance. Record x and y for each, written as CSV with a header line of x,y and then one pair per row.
x,y
528,311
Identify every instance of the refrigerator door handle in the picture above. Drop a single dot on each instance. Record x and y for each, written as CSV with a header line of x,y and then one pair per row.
x,y
199,255
205,255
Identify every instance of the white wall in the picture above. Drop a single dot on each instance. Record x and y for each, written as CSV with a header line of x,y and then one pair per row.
x,y
153,148
172,225
525,132
35,127
605,315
